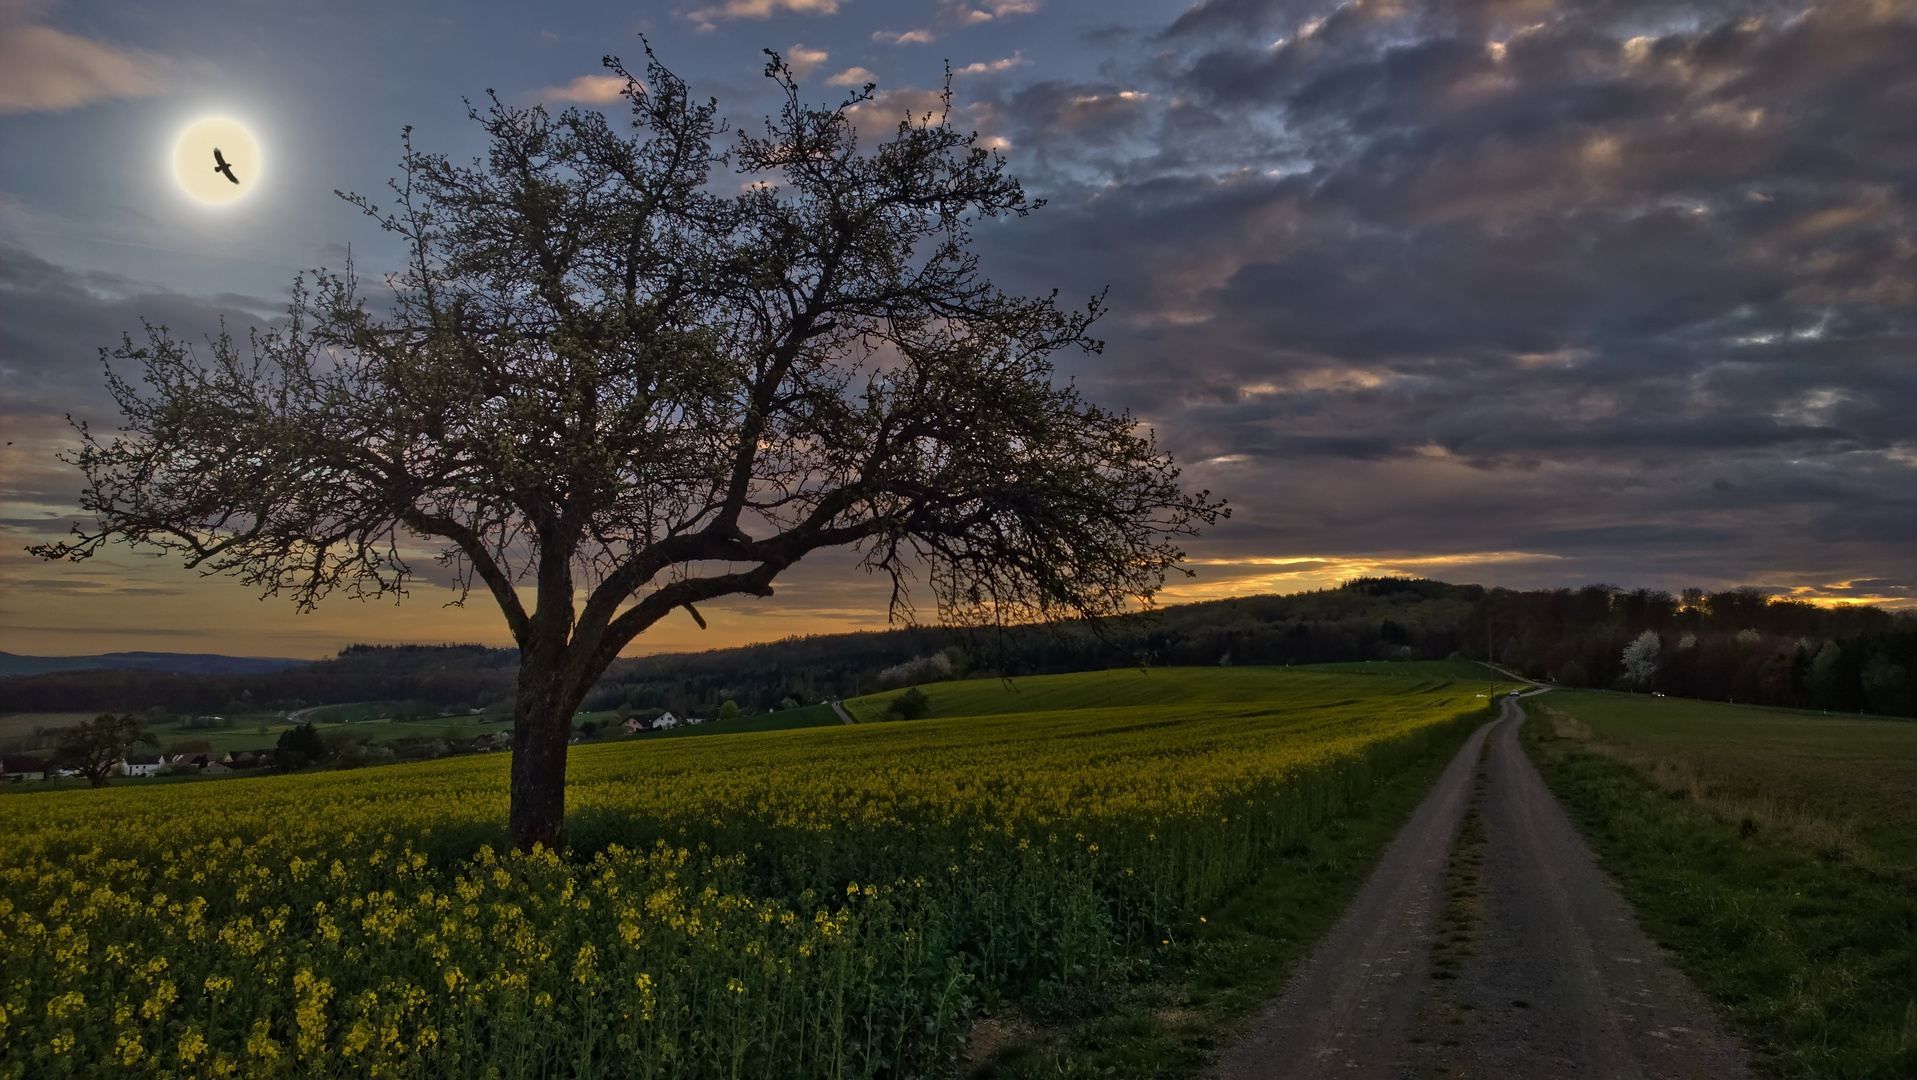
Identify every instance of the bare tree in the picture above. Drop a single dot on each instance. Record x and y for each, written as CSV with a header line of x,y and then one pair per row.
x,y
610,384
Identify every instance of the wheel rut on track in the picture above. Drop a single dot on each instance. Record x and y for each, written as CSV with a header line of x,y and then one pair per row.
x,y
1540,967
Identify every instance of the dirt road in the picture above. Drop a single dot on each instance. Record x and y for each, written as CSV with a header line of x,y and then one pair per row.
x,y
1553,977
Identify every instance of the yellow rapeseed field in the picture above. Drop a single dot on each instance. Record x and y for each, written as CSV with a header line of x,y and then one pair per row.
x,y
818,903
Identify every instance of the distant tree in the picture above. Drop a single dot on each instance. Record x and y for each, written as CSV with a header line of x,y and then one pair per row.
x,y
94,748
918,669
300,746
606,372
1640,659
1886,685
914,704
788,703
1572,674
589,728
729,710
1827,676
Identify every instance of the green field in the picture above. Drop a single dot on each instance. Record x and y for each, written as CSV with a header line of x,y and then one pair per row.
x,y
371,722
363,722
1180,688
807,716
829,901
23,725
1774,851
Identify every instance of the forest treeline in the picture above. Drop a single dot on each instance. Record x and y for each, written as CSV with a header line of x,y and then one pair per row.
x,y
450,676
1738,645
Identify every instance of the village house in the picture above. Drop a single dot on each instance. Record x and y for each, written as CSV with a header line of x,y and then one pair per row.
x,y
18,768
665,720
146,765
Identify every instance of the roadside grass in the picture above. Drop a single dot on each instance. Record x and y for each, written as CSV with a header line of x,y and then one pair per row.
x,y
1773,852
1196,996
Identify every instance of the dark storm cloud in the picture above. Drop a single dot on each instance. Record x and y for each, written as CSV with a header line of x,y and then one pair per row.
x,y
1626,287
1597,254
53,324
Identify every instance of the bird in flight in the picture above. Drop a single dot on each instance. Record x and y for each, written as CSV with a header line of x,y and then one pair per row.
x,y
220,166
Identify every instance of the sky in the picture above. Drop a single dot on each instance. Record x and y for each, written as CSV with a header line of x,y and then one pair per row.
x,y
1517,292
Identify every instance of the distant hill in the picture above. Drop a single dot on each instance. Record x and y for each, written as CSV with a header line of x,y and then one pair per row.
x,y
1739,644
175,663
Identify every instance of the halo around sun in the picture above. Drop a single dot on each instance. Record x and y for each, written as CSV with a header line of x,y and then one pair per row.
x,y
201,150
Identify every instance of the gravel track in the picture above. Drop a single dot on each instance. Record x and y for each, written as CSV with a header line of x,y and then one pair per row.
x,y
1561,981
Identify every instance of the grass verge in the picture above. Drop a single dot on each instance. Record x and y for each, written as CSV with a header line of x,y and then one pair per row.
x,y
1804,937
1193,998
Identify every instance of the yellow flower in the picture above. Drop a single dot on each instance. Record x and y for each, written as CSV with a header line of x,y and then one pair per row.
x,y
128,1049
191,1047
309,1015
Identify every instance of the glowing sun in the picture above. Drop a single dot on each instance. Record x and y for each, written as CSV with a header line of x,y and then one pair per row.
x,y
216,160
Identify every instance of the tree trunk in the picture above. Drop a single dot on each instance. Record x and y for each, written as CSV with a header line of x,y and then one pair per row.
x,y
542,724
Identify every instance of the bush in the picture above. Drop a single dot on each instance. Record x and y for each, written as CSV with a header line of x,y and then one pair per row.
x,y
300,746
729,710
911,705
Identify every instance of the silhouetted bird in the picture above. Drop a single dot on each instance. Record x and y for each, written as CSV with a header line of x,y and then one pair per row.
x,y
220,166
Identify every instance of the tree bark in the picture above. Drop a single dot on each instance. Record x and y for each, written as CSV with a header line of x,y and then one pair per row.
x,y
542,725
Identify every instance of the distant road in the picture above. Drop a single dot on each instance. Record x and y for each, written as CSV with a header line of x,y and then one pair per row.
x,y
839,707
1561,983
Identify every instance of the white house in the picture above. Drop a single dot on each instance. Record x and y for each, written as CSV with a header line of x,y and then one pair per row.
x,y
144,766
666,720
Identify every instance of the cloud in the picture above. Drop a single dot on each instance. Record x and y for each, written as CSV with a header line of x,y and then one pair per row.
x,y
909,37
54,321
961,13
43,69
1240,576
1497,281
53,324
804,61
584,90
888,108
1016,60
852,76
706,17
